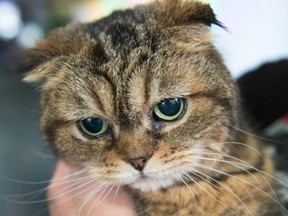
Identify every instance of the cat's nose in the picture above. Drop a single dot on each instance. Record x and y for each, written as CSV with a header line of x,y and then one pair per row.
x,y
139,163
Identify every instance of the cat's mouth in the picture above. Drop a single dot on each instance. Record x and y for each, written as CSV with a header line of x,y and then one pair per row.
x,y
146,181
143,176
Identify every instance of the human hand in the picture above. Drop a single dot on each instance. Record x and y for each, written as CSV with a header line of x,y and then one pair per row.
x,y
73,193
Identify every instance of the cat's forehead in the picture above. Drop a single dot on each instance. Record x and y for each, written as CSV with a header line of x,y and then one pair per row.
x,y
165,73
127,68
150,26
120,32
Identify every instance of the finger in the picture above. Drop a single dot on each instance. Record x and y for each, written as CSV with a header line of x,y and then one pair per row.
x,y
64,202
61,204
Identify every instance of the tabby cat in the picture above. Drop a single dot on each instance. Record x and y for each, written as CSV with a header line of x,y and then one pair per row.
x,y
144,101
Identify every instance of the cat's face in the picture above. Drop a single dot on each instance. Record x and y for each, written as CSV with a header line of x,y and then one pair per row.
x,y
145,113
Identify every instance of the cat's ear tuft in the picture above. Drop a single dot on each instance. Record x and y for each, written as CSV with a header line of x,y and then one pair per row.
x,y
37,74
59,43
181,12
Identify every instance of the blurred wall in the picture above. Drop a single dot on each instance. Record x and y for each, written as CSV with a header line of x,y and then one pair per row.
x,y
258,32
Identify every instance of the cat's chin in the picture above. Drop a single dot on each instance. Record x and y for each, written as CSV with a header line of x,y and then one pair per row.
x,y
150,185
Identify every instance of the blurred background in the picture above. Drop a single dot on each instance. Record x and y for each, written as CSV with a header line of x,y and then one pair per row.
x,y
258,33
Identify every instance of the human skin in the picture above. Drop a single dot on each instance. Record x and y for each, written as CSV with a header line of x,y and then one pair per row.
x,y
66,198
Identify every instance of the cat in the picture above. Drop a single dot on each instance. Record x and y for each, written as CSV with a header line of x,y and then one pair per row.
x,y
143,100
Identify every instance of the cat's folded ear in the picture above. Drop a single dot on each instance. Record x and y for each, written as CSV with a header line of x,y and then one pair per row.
x,y
181,12
41,60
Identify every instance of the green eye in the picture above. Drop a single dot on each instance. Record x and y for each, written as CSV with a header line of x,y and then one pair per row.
x,y
93,126
170,109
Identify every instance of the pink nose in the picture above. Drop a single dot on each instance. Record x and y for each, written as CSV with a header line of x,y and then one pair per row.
x,y
138,164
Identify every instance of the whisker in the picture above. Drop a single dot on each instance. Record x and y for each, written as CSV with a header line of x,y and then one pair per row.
x,y
45,181
246,145
56,182
75,182
199,185
261,172
218,182
230,163
237,178
74,187
116,193
194,197
98,200
69,197
40,191
247,165
256,136
95,189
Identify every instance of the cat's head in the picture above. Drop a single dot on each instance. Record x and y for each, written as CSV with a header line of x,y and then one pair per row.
x,y
141,97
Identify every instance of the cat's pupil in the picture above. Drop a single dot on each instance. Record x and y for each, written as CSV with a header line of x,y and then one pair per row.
x,y
93,125
170,107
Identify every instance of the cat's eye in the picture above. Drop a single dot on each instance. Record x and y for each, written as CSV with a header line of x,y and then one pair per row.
x,y
94,127
170,109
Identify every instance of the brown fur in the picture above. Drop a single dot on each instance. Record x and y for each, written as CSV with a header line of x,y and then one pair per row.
x,y
118,69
